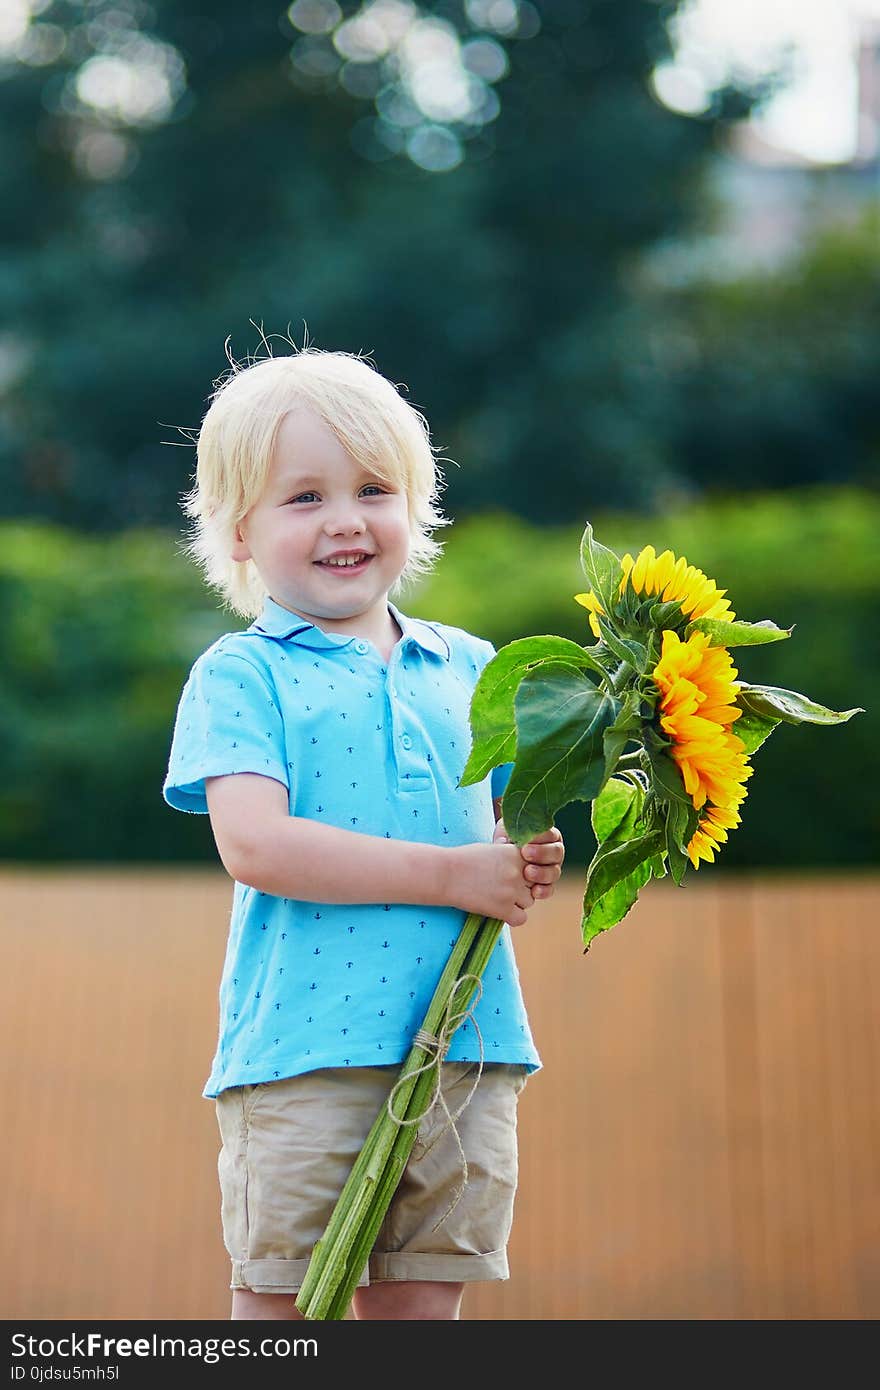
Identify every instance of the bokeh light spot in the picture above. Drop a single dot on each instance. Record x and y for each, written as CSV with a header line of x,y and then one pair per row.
x,y
435,148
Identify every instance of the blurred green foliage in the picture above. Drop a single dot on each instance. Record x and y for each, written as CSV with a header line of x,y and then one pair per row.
x,y
771,379
501,292
100,634
513,295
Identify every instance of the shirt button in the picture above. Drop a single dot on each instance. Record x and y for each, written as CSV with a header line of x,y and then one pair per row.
x,y
362,647
406,741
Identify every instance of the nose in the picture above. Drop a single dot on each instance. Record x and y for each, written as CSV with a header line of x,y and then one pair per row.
x,y
346,519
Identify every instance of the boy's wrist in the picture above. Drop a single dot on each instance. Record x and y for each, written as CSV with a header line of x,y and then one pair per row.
x,y
444,870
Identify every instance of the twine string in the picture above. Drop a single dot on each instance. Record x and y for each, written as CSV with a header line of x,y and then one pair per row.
x,y
436,1046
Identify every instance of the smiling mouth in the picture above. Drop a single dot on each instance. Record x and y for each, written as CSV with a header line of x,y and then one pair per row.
x,y
345,567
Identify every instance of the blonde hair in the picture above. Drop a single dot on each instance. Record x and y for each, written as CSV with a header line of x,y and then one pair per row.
x,y
369,417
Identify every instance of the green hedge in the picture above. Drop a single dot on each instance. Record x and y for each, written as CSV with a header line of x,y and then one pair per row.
x,y
100,633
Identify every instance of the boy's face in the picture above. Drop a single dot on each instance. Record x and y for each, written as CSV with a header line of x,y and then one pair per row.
x,y
317,502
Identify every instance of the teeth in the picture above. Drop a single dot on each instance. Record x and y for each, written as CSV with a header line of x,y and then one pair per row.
x,y
347,560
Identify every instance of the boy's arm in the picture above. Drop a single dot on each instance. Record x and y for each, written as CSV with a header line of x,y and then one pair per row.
x,y
264,847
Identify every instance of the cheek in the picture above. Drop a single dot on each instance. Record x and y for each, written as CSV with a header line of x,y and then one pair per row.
x,y
404,540
401,524
391,528
294,532
283,545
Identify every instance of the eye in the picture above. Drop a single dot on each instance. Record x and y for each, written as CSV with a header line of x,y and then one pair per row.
x,y
308,496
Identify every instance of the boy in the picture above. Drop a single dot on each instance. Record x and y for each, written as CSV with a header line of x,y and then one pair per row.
x,y
326,742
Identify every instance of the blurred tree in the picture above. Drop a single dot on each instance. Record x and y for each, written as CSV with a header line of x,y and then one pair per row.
x,y
460,188
782,368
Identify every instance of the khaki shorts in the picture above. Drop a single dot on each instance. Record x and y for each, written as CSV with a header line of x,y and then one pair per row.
x,y
288,1147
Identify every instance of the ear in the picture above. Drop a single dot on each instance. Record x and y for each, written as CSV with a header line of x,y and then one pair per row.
x,y
240,550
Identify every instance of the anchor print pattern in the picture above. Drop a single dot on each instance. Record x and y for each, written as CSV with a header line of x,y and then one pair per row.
x,y
326,984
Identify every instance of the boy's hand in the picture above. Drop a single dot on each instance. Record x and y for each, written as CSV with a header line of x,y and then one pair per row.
x,y
542,857
489,880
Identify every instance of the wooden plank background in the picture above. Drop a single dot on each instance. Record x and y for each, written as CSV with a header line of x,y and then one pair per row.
x,y
703,1142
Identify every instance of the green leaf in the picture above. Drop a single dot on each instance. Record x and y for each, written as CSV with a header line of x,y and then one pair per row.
x,y
602,568
616,817
649,694
681,823
613,906
658,866
667,781
492,720
560,721
787,705
628,606
753,729
665,615
610,865
738,634
624,648
655,740
651,813
678,864
682,820
625,729
611,808
602,660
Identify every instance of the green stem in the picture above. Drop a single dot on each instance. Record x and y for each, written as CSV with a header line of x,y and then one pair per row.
x,y
358,1254
622,676
629,760
330,1262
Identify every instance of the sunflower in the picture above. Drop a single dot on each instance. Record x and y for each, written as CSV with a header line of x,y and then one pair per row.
x,y
670,580
697,707
711,833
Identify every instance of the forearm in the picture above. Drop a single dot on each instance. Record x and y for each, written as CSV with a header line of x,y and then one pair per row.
x,y
295,857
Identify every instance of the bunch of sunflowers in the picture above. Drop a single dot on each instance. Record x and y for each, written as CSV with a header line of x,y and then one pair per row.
x,y
697,690
649,723
640,724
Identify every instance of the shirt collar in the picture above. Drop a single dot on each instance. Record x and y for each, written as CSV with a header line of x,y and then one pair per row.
x,y
275,621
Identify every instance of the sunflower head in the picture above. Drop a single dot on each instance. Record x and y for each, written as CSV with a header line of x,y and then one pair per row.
x,y
711,833
667,579
590,602
697,706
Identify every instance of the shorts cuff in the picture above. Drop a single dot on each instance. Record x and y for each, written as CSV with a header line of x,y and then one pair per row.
x,y
449,1269
273,1276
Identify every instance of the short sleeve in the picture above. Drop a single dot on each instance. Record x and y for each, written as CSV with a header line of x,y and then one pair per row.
x,y
227,721
500,779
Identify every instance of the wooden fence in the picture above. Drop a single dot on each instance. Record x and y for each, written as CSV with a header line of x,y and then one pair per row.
x,y
702,1143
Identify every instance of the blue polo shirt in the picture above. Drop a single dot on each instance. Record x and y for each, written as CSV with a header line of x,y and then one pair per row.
x,y
373,747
